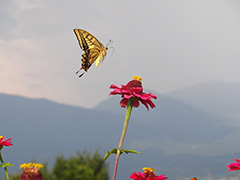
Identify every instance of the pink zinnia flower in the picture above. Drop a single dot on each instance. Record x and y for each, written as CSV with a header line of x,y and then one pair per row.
x,y
133,90
234,166
148,174
4,142
31,171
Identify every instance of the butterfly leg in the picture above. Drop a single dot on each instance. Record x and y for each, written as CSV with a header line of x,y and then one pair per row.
x,y
81,74
78,70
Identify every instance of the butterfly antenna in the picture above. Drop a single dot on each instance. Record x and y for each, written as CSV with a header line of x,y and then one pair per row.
x,y
109,42
112,51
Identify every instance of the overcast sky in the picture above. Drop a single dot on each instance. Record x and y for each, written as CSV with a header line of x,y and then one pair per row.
x,y
171,44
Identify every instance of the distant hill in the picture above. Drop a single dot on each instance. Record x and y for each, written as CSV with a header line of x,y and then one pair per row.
x,y
175,138
215,97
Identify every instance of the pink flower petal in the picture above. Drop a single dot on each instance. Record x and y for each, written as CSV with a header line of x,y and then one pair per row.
x,y
133,89
142,96
4,142
141,176
152,95
127,96
114,86
135,104
237,160
137,176
8,142
161,177
145,104
151,104
124,103
124,87
234,166
113,93
137,90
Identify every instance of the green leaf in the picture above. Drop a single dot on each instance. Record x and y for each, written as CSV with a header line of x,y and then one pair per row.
x,y
6,165
107,155
114,151
130,151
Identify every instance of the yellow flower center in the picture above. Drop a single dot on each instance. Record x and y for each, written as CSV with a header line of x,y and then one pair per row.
x,y
148,170
138,78
30,165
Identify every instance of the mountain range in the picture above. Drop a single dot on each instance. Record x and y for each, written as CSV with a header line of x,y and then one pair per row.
x,y
186,135
219,98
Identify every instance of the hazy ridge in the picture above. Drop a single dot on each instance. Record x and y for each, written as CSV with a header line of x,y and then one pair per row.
x,y
176,138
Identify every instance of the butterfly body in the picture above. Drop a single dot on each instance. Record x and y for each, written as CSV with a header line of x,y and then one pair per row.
x,y
93,49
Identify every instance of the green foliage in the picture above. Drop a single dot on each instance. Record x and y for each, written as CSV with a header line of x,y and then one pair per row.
x,y
82,166
15,177
45,172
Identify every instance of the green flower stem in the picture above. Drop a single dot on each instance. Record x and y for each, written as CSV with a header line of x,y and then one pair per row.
x,y
5,168
127,117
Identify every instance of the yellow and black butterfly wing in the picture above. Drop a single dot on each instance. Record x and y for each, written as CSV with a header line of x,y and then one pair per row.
x,y
85,39
88,58
101,55
93,49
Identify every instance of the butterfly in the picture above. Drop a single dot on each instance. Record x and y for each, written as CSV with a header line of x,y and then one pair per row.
x,y
93,49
